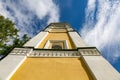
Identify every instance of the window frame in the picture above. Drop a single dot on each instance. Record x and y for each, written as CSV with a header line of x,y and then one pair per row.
x,y
49,43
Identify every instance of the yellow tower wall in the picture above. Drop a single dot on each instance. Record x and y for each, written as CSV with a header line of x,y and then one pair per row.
x,y
52,69
58,35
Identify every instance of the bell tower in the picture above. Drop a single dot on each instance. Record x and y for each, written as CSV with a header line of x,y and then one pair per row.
x,y
60,35
56,53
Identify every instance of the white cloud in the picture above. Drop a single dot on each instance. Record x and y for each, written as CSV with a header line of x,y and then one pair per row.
x,y
106,29
91,4
2,10
43,8
90,11
22,12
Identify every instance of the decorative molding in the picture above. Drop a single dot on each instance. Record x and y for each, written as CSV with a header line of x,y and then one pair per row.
x,y
89,52
54,54
21,51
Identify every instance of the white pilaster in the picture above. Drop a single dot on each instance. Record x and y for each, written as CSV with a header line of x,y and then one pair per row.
x,y
101,68
78,41
35,41
9,65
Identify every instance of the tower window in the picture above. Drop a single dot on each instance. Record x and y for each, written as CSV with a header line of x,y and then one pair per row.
x,y
56,46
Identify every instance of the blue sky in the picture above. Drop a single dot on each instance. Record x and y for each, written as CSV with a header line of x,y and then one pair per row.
x,y
97,21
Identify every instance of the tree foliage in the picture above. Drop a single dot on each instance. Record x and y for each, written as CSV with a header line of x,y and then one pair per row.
x,y
19,43
9,32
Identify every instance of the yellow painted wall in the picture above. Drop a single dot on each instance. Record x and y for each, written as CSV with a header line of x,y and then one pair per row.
x,y
57,36
58,30
52,69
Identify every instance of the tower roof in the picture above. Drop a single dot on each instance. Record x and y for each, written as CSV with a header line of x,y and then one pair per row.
x,y
61,25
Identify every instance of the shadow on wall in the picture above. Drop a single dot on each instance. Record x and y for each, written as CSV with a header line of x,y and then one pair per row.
x,y
86,68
